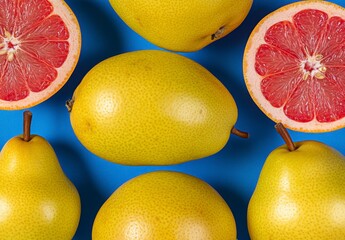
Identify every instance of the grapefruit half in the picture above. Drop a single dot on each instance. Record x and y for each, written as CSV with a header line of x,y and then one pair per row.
x,y
39,48
294,66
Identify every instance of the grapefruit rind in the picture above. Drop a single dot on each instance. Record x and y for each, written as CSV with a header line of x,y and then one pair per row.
x,y
64,72
253,79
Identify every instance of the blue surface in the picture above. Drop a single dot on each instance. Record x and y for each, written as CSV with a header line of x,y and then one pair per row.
x,y
233,171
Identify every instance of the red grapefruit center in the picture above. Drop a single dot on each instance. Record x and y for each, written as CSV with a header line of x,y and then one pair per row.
x,y
299,64
35,43
299,60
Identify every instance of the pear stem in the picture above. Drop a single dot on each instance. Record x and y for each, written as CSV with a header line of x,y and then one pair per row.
x,y
239,133
27,126
69,104
286,136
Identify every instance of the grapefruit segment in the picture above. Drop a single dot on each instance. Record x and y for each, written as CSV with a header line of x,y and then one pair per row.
x,y
38,75
294,66
12,83
7,15
335,57
310,23
51,28
29,14
284,36
330,103
300,105
278,88
272,60
39,49
52,53
332,42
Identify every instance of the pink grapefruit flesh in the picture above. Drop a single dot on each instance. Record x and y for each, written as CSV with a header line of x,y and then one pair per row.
x,y
294,66
39,49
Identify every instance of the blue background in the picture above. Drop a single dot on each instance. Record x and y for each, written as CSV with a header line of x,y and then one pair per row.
x,y
233,171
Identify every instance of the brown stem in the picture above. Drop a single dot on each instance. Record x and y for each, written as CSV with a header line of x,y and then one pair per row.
x,y
239,133
69,104
27,126
286,136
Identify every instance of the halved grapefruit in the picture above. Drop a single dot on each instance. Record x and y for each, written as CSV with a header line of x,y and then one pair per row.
x,y
39,48
294,66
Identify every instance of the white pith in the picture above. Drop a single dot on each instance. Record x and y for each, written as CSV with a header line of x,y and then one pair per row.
x,y
317,70
63,10
253,79
5,46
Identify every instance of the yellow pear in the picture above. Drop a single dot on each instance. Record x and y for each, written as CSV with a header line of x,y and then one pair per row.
x,y
164,205
182,25
300,193
37,200
152,107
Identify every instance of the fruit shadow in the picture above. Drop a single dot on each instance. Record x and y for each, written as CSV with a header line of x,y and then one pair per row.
x,y
238,205
237,39
76,170
224,59
101,38
250,118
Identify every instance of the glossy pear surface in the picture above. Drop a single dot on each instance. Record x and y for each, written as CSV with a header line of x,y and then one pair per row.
x,y
37,200
152,107
182,25
165,205
300,195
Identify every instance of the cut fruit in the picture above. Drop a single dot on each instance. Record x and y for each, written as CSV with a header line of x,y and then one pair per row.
x,y
294,66
40,44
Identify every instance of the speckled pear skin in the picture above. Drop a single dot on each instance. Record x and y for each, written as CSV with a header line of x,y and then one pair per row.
x,y
300,195
164,205
182,25
37,200
152,107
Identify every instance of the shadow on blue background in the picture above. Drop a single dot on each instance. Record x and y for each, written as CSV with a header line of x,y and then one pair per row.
x,y
233,171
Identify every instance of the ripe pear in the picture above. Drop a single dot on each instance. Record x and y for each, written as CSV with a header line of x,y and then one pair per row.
x,y
152,107
164,205
300,193
180,25
37,200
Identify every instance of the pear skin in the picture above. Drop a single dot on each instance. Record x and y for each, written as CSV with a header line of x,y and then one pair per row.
x,y
185,26
37,200
300,194
180,113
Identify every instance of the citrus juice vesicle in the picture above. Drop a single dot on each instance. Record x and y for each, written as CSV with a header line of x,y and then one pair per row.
x,y
39,49
294,66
